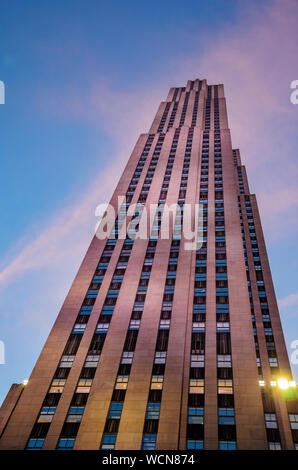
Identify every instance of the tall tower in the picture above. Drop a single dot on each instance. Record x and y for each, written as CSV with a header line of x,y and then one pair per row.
x,y
158,346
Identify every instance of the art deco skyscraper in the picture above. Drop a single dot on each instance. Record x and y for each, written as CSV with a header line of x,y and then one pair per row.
x,y
156,346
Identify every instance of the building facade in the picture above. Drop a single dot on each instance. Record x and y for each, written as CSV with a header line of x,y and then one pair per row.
x,y
158,346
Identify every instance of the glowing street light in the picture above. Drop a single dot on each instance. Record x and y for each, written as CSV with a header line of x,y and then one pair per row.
x,y
283,384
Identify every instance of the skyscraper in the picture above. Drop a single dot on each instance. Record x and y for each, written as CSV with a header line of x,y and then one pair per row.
x,y
158,346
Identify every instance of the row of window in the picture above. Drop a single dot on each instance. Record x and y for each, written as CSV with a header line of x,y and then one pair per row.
x,y
151,422
110,301
150,429
52,398
195,420
271,424
114,414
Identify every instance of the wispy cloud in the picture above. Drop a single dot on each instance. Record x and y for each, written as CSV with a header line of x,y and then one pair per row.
x,y
122,114
290,301
255,61
248,59
68,232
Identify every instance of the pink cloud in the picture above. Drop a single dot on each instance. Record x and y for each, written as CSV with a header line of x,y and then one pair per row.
x,y
256,62
66,236
255,59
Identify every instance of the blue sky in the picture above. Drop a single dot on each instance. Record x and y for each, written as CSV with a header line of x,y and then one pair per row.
x,y
83,79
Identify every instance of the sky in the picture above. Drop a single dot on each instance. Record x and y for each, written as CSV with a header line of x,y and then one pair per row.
x,y
83,79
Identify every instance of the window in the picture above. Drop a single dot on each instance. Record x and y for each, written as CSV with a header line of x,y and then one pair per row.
x,y
65,444
108,441
66,361
153,410
293,421
76,410
75,417
79,327
197,360
270,420
134,324
57,386
274,446
198,327
115,410
102,327
226,416
164,324
227,445
35,444
149,442
224,360
195,415
46,414
127,357
193,444
121,382
92,360
156,382
225,386
223,326
273,362
160,357
86,309
84,386
107,310
196,386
